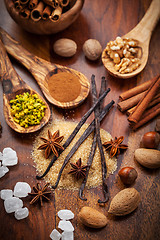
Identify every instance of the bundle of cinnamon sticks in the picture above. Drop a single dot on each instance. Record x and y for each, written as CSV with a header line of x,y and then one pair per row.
x,y
41,9
141,103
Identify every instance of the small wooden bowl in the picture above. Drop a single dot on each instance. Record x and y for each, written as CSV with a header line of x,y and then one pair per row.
x,y
42,26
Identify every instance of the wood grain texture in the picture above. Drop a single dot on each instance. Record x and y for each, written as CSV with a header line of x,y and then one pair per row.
x,y
48,26
102,20
13,85
142,33
42,70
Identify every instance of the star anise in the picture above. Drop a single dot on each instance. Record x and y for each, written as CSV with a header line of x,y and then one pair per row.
x,y
39,194
115,146
52,144
78,169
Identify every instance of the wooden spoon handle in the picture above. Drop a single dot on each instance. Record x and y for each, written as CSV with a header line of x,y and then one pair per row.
x,y
8,75
37,66
144,28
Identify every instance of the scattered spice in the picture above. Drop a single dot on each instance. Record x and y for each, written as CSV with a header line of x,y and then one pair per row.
x,y
77,128
115,146
27,109
39,194
52,144
78,169
67,181
84,136
64,86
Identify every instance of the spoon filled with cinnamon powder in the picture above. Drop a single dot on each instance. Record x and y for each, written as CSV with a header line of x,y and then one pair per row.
x,y
62,86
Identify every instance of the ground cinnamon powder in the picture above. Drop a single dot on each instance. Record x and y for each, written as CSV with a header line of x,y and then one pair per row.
x,y
64,86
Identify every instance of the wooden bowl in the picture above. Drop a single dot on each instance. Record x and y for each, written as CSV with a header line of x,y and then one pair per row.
x,y
48,26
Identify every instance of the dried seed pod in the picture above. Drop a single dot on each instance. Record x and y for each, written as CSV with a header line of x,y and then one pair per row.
x,y
128,175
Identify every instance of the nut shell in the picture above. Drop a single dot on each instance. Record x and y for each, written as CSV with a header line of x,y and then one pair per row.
x,y
128,175
149,158
65,47
92,218
150,140
92,49
125,202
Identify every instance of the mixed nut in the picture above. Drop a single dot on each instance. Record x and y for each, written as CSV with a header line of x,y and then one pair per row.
x,y
125,54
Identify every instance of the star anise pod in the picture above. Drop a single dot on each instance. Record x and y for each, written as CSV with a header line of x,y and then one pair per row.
x,y
52,144
39,194
78,169
115,146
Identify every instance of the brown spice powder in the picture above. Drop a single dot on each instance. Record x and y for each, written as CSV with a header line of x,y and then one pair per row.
x,y
64,86
68,181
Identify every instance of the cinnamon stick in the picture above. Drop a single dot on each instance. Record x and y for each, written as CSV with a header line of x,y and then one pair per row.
x,y
52,3
46,12
143,104
17,5
64,3
136,90
150,114
24,2
155,100
32,4
37,12
25,13
56,14
130,102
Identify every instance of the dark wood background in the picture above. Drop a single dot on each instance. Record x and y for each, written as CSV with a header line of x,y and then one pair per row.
x,y
102,20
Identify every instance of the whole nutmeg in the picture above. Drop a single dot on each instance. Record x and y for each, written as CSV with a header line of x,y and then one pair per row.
x,y
128,175
150,140
92,49
65,47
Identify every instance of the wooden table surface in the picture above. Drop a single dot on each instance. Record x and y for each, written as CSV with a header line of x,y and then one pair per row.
x,y
102,20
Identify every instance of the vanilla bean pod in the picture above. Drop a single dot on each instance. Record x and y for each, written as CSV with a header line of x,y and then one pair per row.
x,y
99,142
73,134
86,133
93,147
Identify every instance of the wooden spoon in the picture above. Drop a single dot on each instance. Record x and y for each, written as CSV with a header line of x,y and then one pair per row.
x,y
142,32
13,85
42,70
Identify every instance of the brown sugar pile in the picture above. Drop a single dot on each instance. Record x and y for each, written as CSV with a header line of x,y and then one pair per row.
x,y
68,181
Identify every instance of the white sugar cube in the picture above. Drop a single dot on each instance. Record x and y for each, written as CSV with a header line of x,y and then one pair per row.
x,y
9,157
66,226
3,170
12,204
21,189
6,193
67,236
55,235
21,213
65,214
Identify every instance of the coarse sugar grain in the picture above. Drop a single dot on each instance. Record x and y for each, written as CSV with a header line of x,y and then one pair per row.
x,y
68,181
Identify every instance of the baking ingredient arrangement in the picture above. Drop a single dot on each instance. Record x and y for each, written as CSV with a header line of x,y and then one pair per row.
x,y
80,156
